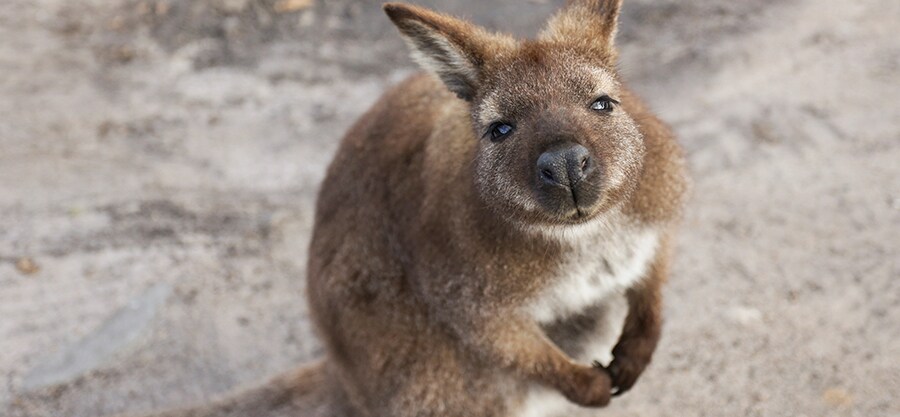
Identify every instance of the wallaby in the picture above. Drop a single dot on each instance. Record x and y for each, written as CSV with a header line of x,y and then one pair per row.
x,y
484,231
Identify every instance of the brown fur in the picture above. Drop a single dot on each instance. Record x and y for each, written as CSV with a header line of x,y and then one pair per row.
x,y
434,245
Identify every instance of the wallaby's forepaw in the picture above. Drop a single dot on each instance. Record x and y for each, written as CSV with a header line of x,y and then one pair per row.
x,y
589,387
624,372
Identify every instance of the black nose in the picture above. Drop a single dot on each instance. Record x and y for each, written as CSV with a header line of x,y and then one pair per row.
x,y
564,164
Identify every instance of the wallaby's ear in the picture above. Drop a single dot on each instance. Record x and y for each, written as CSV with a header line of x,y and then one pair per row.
x,y
588,24
453,49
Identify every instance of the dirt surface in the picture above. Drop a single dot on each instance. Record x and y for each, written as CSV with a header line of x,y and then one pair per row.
x,y
159,161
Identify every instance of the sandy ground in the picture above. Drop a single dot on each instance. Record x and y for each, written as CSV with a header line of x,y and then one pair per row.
x,y
159,161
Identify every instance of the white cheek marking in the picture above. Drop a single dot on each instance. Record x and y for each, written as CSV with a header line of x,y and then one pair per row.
x,y
627,155
596,266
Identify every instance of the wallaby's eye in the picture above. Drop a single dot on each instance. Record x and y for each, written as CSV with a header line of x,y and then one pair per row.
x,y
499,130
603,104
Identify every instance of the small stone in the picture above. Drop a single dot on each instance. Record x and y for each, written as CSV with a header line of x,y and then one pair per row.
x,y
122,54
764,132
288,6
27,266
104,128
143,8
744,315
117,23
837,397
162,8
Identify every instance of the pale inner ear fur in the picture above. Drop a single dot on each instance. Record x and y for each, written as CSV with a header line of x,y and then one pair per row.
x,y
452,49
436,53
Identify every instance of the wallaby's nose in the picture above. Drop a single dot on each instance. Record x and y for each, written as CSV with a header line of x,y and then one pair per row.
x,y
564,165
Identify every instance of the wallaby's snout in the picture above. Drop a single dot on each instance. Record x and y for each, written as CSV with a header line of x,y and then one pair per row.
x,y
564,165
565,179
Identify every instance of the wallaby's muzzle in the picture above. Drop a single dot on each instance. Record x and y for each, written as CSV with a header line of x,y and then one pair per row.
x,y
568,180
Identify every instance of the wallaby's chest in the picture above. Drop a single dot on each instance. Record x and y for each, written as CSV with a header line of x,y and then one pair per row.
x,y
593,266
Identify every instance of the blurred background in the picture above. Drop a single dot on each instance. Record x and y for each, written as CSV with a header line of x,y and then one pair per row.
x,y
159,161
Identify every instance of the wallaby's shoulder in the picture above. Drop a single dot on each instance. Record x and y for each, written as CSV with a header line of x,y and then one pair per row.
x,y
388,162
400,122
415,101
392,128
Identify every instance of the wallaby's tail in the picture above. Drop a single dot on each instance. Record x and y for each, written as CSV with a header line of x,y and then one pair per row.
x,y
304,392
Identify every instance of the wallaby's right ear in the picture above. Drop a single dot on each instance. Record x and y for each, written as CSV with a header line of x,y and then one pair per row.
x,y
453,49
589,25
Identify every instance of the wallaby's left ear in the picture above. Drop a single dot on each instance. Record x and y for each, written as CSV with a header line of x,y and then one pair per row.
x,y
453,49
588,24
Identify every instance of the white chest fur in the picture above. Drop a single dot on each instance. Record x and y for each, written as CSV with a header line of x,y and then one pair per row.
x,y
603,260
610,257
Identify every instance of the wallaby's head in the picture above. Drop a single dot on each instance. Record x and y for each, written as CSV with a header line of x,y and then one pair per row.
x,y
555,145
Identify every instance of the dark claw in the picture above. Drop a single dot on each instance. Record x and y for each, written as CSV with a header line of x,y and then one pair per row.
x,y
623,376
614,370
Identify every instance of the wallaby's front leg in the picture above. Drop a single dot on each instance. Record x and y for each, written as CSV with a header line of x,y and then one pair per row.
x,y
641,332
519,344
